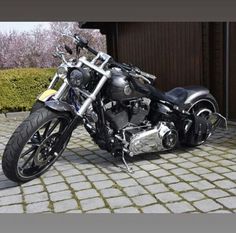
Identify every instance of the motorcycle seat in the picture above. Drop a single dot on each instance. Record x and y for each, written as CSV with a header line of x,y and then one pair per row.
x,y
182,96
177,95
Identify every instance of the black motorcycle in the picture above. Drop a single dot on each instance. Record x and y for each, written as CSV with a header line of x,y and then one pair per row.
x,y
119,107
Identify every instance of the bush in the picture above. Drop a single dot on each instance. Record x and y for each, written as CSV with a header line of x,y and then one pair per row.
x,y
20,87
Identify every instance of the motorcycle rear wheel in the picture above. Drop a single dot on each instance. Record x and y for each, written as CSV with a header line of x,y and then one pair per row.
x,y
27,153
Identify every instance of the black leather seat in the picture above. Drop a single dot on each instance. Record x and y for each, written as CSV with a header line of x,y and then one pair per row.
x,y
177,95
181,96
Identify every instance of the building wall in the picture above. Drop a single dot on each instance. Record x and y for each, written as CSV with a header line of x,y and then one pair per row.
x,y
179,54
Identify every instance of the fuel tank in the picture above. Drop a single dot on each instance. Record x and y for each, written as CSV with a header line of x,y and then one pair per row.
x,y
118,87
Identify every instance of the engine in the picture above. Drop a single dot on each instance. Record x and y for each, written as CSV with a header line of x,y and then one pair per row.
x,y
162,137
122,114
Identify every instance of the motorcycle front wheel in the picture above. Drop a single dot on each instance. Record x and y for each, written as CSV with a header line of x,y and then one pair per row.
x,y
27,153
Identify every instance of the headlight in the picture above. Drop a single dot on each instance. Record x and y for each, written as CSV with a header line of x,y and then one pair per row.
x,y
76,78
62,71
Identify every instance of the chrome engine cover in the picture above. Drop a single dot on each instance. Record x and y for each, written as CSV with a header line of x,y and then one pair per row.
x,y
162,137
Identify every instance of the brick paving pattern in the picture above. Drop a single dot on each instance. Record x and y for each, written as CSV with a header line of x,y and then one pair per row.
x,y
87,180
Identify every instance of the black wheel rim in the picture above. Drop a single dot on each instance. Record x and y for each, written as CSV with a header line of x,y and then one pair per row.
x,y
35,156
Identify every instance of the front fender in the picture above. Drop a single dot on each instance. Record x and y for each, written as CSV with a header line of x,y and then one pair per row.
x,y
46,95
60,106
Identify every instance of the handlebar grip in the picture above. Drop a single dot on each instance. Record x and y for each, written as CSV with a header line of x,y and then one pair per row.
x,y
91,50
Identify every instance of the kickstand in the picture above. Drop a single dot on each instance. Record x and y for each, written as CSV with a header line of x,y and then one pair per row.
x,y
127,167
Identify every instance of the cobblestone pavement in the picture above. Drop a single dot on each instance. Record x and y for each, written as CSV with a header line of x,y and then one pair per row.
x,y
87,179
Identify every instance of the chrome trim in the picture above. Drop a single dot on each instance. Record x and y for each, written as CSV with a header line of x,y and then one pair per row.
x,y
150,140
202,100
93,95
53,82
92,66
62,90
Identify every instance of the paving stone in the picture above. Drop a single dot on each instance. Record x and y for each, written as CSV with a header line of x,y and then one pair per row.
x,y
190,177
147,180
159,173
178,160
59,196
202,185
93,203
13,199
180,207
103,184
88,193
38,207
12,209
74,211
225,162
63,206
10,191
231,175
192,196
33,189
188,165
36,197
157,188
81,185
228,202
180,187
201,153
134,191
111,192
168,166
139,174
212,176
179,171
118,202
149,167
97,177
72,172
31,183
220,170
127,210
207,205
53,180
169,179
216,193
100,211
144,200
91,171
225,184
5,184
156,208
127,182
214,158
75,179
167,197
57,187
221,211
200,170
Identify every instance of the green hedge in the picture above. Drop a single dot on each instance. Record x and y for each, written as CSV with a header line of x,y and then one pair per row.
x,y
20,87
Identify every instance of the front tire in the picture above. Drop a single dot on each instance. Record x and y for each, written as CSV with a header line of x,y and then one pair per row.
x,y
36,106
27,153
